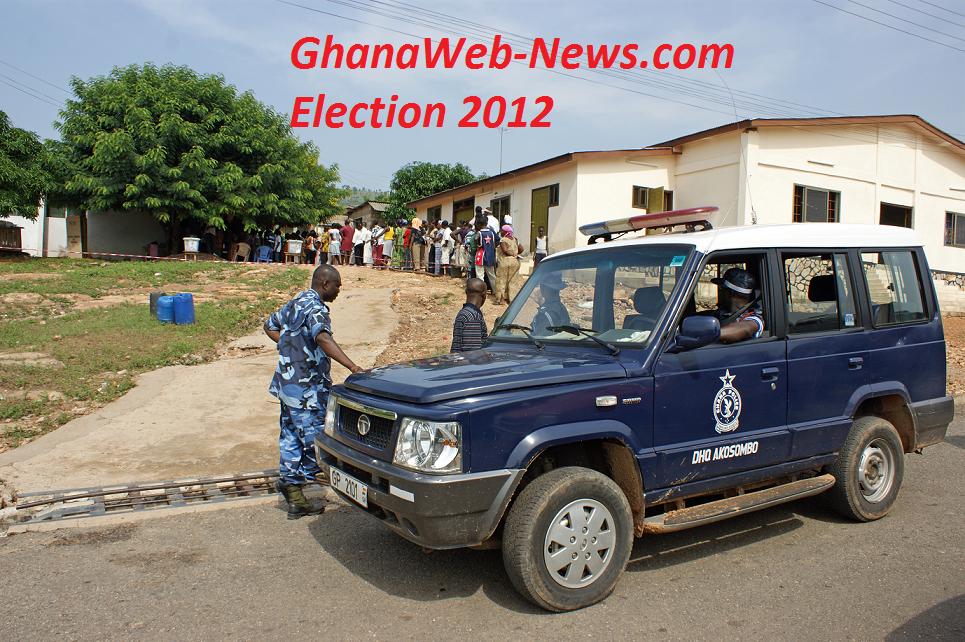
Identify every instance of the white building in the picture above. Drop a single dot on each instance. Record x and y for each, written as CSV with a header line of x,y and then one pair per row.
x,y
57,232
46,235
894,170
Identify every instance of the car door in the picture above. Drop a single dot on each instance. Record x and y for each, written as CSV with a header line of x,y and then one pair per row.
x,y
722,408
827,350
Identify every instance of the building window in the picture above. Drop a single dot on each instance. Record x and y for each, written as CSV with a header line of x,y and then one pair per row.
x,y
464,204
554,195
954,229
812,205
652,199
500,208
640,197
667,200
895,215
434,213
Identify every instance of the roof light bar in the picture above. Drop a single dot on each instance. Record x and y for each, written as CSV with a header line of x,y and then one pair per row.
x,y
692,216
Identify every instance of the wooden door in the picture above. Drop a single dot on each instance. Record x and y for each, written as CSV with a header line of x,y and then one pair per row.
x,y
539,215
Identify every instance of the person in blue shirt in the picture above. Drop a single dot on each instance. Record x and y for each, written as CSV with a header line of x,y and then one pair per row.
x,y
303,331
485,239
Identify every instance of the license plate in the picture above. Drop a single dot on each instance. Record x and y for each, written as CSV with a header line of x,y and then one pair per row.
x,y
349,486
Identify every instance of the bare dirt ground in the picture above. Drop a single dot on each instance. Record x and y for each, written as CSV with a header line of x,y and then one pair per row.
x,y
217,417
955,351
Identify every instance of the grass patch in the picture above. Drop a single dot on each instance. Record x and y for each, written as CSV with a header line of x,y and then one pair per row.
x,y
103,349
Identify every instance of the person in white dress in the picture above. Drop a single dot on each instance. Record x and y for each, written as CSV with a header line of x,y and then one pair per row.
x,y
366,246
446,245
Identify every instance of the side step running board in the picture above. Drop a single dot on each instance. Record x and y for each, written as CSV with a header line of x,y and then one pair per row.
x,y
748,503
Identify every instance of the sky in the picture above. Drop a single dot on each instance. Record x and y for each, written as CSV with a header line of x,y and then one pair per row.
x,y
792,59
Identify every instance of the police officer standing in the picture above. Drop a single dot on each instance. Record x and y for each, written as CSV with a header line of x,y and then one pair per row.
x,y
302,381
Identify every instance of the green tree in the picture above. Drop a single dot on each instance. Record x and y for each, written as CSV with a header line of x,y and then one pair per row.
x,y
358,195
185,146
24,170
418,180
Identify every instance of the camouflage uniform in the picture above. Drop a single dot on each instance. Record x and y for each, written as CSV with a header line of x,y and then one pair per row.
x,y
301,383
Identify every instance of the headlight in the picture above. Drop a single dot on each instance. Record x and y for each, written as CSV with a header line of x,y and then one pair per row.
x,y
429,446
330,415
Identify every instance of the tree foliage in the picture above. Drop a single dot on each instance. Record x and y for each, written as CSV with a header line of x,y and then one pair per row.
x,y
358,195
186,146
418,180
24,170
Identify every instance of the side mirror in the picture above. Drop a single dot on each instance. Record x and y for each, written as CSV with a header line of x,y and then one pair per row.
x,y
696,332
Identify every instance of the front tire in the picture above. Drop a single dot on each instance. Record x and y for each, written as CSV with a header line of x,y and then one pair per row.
x,y
868,471
567,539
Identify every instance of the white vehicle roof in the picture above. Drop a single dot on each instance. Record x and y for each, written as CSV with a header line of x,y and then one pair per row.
x,y
796,235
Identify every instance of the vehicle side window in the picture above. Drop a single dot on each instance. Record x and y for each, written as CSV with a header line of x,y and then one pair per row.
x,y
706,301
894,287
820,297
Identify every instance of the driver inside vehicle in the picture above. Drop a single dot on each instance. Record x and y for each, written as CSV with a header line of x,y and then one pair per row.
x,y
551,310
738,306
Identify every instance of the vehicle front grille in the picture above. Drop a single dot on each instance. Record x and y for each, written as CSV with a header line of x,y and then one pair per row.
x,y
379,434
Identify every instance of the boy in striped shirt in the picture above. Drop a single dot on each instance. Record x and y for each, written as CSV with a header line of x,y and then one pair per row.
x,y
469,330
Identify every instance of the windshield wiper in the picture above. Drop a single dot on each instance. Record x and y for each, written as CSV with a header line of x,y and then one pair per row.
x,y
577,330
526,331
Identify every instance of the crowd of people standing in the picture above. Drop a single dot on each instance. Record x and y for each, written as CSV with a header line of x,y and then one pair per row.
x,y
481,247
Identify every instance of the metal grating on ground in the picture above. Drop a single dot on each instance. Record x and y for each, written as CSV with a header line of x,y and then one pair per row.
x,y
148,496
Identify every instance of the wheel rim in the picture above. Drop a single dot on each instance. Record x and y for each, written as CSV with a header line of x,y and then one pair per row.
x,y
579,543
876,470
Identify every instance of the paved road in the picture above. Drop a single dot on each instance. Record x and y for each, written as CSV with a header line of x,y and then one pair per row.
x,y
794,572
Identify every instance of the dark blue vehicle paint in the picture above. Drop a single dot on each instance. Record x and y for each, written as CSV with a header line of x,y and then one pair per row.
x,y
913,354
817,412
685,387
454,376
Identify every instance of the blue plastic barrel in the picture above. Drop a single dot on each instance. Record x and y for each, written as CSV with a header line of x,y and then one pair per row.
x,y
184,308
165,309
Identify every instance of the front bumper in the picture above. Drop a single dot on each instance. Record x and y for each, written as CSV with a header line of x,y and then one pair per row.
x,y
435,511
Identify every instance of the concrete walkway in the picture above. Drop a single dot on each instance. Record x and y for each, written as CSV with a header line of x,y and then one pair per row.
x,y
187,421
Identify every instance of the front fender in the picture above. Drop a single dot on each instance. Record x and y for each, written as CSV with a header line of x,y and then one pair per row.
x,y
540,440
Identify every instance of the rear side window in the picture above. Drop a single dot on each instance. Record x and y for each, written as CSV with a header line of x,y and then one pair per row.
x,y
820,297
894,287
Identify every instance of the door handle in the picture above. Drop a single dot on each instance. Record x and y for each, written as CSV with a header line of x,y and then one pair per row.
x,y
855,363
769,374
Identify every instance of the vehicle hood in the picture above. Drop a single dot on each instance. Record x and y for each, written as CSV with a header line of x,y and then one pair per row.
x,y
458,375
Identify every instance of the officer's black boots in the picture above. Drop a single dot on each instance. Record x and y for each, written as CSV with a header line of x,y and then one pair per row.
x,y
298,504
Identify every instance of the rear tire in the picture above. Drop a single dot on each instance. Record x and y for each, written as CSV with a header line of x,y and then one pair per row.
x,y
567,539
868,471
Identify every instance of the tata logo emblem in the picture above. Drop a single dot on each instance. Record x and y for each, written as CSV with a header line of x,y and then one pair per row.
x,y
364,425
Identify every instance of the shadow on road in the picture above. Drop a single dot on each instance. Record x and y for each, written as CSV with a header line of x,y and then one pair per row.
x,y
398,567
944,622
956,440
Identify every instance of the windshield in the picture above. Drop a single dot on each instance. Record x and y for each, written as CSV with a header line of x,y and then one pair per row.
x,y
615,295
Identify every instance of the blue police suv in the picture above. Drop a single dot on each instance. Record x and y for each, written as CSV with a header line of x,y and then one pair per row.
x,y
651,384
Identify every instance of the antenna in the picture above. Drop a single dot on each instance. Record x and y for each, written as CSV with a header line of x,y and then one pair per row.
x,y
747,181
502,130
